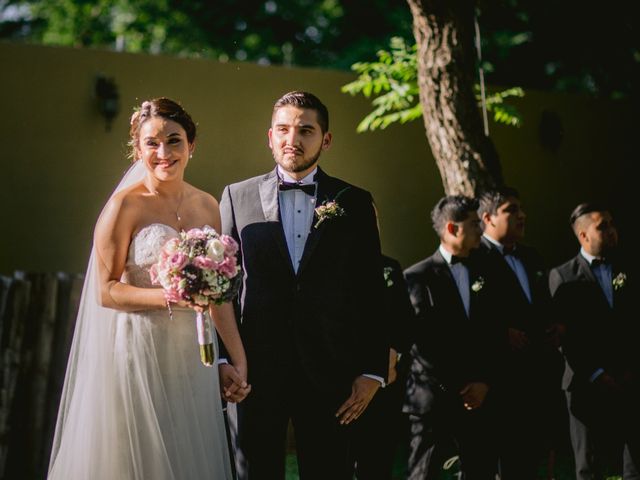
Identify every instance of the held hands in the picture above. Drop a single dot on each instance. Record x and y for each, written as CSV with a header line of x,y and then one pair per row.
x,y
233,383
362,391
473,395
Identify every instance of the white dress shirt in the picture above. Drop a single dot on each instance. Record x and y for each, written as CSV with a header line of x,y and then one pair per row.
x,y
296,215
516,265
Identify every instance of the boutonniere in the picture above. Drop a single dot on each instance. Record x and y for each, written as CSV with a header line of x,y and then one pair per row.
x,y
330,209
619,281
387,276
477,285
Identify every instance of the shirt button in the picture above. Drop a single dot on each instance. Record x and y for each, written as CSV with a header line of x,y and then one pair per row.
x,y
299,211
299,235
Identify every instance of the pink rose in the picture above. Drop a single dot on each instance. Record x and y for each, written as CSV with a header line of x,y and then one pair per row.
x,y
153,273
197,234
228,267
177,261
230,245
204,262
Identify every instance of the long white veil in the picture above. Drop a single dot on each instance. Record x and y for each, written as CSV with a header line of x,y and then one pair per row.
x,y
86,426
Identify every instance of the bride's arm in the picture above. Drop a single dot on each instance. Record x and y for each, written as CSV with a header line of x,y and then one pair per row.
x,y
226,326
112,238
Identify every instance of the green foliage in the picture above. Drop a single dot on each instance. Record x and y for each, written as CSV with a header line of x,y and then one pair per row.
x,y
392,81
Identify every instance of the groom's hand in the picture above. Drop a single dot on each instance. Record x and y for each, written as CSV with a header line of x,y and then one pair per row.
x,y
233,386
362,391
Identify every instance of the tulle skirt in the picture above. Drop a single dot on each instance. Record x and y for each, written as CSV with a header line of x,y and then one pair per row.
x,y
141,406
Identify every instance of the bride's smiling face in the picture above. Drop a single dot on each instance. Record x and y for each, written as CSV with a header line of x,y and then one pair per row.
x,y
164,148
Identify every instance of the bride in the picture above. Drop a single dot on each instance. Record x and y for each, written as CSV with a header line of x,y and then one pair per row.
x,y
137,403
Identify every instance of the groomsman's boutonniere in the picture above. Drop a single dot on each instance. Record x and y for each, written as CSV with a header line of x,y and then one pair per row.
x,y
330,209
477,285
387,276
619,281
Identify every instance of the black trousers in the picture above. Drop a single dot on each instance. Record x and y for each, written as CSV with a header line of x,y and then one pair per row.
x,y
377,433
604,432
259,428
447,430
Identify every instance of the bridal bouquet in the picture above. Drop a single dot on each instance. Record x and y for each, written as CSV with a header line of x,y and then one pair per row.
x,y
199,267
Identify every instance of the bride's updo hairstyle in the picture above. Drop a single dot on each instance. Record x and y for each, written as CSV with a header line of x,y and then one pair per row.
x,y
159,107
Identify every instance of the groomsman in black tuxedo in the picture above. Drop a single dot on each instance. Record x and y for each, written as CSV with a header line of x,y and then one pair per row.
x,y
529,391
382,424
310,316
594,294
453,356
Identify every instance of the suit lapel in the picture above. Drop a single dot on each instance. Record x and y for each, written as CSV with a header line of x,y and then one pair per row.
x,y
270,207
584,271
441,268
326,191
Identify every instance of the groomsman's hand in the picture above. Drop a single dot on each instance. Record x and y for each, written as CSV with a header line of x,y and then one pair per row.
x,y
362,391
233,386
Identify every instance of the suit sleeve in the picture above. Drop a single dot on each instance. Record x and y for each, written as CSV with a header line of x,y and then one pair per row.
x,y
399,311
370,331
229,228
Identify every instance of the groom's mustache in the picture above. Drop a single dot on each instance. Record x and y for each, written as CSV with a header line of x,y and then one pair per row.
x,y
293,150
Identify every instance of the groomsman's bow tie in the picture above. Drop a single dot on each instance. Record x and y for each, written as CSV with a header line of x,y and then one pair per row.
x,y
599,261
308,188
455,259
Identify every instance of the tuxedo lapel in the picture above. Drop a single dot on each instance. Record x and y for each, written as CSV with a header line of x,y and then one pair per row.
x,y
585,272
326,191
270,207
441,269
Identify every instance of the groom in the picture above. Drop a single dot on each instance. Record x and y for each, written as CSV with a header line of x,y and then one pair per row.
x,y
309,316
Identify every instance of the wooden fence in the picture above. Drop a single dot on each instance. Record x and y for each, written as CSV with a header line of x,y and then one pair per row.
x,y
37,318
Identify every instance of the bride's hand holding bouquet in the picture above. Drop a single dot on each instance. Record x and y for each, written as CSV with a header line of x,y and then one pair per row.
x,y
199,269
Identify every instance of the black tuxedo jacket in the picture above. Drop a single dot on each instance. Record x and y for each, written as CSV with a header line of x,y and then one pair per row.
x,y
532,318
325,320
597,336
450,349
399,315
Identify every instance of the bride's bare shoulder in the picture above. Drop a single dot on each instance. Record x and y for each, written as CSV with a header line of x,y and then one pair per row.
x,y
202,198
123,206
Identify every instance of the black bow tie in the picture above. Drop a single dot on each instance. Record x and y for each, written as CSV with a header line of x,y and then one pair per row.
x,y
455,259
308,188
599,261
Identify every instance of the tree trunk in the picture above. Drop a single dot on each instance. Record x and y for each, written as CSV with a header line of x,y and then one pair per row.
x,y
444,32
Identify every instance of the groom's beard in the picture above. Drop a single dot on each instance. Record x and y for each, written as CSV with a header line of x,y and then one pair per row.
x,y
296,164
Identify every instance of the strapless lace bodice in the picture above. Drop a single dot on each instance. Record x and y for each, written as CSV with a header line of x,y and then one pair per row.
x,y
144,251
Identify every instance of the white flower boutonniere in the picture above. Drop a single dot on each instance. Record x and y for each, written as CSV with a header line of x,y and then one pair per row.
x,y
619,281
330,209
477,285
387,276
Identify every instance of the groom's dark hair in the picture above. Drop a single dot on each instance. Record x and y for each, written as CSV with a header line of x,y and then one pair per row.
x,y
305,100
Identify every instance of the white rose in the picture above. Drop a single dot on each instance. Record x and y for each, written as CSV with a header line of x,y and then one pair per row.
x,y
215,250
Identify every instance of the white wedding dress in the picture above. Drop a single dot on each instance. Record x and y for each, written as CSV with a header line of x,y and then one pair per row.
x,y
138,403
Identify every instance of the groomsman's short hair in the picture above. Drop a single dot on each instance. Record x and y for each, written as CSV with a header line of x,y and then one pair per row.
x,y
452,208
491,200
582,210
305,100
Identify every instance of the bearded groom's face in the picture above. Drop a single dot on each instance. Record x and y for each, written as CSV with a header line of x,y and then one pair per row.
x,y
296,139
